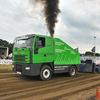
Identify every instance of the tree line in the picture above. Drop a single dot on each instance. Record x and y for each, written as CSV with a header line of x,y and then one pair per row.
x,y
5,43
88,53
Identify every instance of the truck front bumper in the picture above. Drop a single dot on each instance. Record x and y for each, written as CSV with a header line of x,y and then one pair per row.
x,y
27,69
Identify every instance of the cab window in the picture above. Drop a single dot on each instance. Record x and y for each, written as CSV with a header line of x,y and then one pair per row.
x,y
41,42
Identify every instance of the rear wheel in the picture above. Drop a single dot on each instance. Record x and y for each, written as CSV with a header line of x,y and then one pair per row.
x,y
45,73
72,71
98,70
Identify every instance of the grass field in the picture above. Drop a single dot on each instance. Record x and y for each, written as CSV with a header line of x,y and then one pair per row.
x,y
5,67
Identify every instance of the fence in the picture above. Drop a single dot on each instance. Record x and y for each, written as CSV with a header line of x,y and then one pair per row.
x,y
5,61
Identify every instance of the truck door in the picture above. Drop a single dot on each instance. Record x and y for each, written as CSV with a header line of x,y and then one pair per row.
x,y
39,50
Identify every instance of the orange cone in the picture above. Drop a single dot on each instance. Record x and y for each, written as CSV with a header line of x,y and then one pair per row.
x,y
97,93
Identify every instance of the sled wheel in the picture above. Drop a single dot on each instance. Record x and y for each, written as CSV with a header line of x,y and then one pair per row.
x,y
98,70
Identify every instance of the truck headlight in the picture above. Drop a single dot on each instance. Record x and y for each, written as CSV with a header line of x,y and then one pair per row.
x,y
27,68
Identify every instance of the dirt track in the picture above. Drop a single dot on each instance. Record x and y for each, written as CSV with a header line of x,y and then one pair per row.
x,y
59,87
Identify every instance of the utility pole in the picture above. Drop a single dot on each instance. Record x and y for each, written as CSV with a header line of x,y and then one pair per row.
x,y
94,48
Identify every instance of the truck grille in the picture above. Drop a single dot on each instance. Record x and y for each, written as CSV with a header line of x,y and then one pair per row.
x,y
20,58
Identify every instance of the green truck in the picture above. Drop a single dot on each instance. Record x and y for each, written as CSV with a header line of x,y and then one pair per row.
x,y
39,55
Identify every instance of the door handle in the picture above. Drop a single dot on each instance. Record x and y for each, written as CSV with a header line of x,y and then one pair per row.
x,y
44,55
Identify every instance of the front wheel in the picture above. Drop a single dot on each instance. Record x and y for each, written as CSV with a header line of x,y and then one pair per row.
x,y
45,73
72,71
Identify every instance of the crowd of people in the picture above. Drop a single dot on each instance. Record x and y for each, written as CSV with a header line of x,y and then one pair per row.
x,y
3,57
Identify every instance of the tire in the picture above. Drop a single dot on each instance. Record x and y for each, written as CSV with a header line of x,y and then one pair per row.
x,y
72,71
45,73
98,70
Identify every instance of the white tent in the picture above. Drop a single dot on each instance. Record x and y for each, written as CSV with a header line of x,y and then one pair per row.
x,y
4,51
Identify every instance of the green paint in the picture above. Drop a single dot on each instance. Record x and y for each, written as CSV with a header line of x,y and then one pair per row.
x,y
48,50
53,50
64,54
21,56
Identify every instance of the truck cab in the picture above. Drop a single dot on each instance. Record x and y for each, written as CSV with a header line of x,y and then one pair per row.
x,y
31,52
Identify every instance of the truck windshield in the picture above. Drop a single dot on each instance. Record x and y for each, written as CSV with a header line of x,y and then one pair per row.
x,y
23,43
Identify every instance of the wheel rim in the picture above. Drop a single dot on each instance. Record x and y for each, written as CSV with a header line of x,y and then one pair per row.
x,y
46,73
73,71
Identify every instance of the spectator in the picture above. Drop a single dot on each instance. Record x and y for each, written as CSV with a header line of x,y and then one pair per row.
x,y
1,56
4,57
9,57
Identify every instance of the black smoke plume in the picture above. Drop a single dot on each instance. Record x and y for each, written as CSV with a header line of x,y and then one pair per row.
x,y
51,11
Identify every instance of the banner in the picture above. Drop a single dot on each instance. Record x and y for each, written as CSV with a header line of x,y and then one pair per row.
x,y
5,62
97,59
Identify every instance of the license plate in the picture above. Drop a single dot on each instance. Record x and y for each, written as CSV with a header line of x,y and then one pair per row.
x,y
18,72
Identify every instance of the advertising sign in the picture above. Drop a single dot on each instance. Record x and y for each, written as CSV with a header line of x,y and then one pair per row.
x,y
5,62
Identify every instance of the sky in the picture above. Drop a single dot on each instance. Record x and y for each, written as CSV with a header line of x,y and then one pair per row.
x,y
78,22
